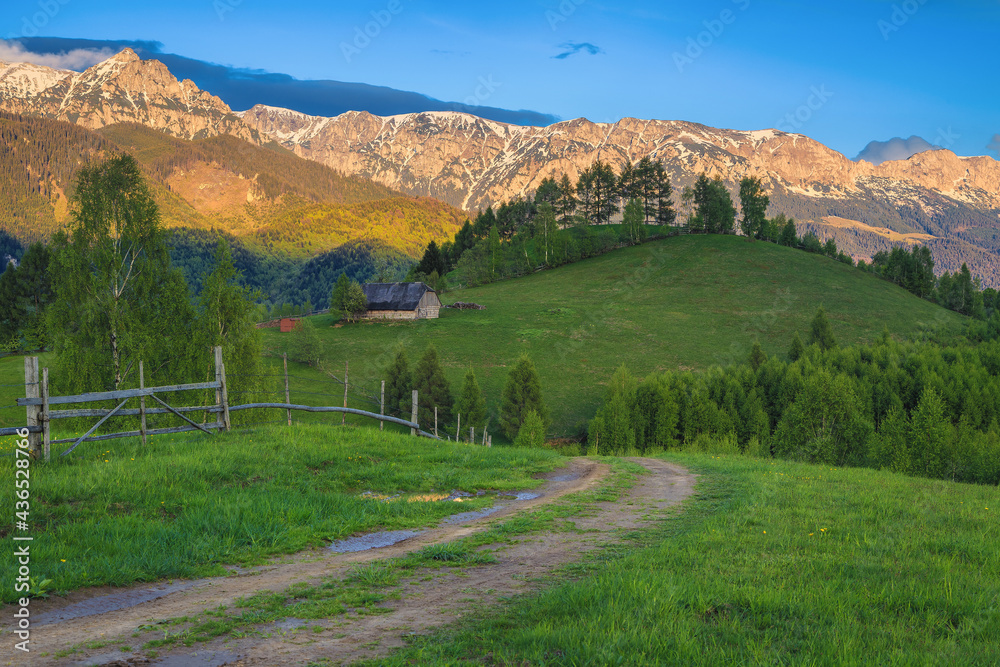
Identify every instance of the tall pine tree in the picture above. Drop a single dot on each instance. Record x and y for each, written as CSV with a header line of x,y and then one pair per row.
x,y
521,393
432,390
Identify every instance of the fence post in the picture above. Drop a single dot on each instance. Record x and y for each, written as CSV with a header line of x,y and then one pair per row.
x,y
142,405
288,396
435,421
221,394
343,415
484,436
458,429
45,413
413,413
472,435
31,390
381,410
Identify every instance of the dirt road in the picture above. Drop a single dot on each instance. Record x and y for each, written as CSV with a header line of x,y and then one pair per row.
x,y
113,616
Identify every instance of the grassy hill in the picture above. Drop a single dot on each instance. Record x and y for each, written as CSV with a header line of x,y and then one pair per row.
x,y
683,303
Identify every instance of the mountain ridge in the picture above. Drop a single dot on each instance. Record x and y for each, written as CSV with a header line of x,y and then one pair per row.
x,y
471,163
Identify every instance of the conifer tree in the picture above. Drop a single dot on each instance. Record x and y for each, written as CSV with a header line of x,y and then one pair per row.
x,y
532,431
929,434
522,392
471,404
614,426
567,202
757,356
398,386
820,332
665,213
432,390
789,236
797,349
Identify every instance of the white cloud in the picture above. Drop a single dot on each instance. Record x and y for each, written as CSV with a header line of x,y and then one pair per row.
x,y
896,148
77,59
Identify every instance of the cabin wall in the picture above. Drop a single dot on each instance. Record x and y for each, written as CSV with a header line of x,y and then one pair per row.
x,y
391,315
429,306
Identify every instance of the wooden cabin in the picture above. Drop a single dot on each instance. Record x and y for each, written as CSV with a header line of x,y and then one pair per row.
x,y
401,301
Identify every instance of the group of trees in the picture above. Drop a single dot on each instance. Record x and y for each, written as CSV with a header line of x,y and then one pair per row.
x,y
553,226
915,408
25,293
913,270
104,296
523,416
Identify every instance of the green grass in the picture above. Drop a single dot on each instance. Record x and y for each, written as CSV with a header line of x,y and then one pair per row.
x,y
771,563
680,303
120,513
368,586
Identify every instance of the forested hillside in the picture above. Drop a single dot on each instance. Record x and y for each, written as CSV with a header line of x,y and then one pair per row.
x,y
273,201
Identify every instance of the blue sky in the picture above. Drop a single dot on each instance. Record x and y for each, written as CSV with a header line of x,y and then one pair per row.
x,y
843,73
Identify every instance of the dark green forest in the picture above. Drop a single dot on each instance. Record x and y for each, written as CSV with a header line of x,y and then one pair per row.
x,y
920,408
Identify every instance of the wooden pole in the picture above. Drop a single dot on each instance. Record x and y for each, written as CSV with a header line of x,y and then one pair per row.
x,y
221,393
472,435
32,390
381,409
413,413
343,417
458,429
288,396
435,421
489,443
45,413
142,405
484,437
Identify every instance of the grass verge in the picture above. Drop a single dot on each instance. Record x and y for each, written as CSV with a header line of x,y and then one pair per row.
x,y
182,506
770,563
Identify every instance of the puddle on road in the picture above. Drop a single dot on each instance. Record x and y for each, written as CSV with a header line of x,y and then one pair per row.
x,y
112,602
522,495
383,538
387,538
199,659
464,517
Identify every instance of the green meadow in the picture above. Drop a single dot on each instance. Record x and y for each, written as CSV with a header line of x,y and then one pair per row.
x,y
681,303
773,563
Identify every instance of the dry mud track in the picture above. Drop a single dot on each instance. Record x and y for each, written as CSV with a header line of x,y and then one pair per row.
x,y
423,603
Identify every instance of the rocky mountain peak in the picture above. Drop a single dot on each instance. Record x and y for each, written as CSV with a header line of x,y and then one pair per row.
x,y
123,88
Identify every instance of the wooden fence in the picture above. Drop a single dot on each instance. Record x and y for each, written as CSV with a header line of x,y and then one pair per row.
x,y
38,402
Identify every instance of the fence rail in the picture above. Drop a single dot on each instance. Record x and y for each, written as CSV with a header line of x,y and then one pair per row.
x,y
37,403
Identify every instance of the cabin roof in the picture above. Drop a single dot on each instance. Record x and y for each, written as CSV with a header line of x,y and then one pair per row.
x,y
394,296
